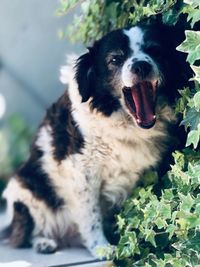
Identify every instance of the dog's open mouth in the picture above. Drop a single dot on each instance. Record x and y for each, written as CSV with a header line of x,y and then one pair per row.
x,y
141,100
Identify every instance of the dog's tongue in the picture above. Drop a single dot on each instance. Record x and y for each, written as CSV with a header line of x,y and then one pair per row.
x,y
144,99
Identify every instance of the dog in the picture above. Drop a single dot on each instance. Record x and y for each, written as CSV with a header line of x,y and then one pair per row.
x,y
115,121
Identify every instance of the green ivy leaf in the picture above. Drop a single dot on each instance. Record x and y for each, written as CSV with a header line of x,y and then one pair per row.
x,y
196,99
196,72
160,223
194,16
150,236
168,194
194,3
120,222
183,100
191,45
193,138
192,220
194,55
194,174
171,16
191,42
191,119
134,222
186,203
197,208
165,211
193,242
159,262
171,229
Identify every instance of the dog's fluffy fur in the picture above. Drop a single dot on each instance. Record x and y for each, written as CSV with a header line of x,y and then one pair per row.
x,y
115,121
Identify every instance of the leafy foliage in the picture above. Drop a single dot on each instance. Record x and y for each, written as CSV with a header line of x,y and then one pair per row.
x,y
161,230
14,146
164,231
97,17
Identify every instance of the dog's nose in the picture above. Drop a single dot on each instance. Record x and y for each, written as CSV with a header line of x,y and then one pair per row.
x,y
141,68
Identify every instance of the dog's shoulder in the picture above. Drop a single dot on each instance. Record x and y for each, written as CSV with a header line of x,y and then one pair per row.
x,y
66,136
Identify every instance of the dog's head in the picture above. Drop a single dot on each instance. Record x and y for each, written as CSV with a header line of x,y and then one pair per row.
x,y
131,69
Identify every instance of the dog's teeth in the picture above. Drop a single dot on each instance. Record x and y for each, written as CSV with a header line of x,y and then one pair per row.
x,y
138,121
154,116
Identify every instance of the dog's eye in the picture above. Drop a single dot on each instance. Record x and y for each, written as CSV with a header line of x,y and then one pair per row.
x,y
153,50
116,60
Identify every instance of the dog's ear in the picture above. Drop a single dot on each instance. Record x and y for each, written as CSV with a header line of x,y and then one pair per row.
x,y
84,73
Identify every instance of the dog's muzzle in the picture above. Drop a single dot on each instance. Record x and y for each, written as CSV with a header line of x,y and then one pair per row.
x,y
140,98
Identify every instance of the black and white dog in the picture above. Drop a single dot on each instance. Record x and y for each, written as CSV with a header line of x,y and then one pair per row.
x,y
115,121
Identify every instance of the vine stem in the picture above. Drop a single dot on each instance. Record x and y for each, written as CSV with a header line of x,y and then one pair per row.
x,y
166,8
176,231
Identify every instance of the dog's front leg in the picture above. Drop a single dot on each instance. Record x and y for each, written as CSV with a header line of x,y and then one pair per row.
x,y
89,220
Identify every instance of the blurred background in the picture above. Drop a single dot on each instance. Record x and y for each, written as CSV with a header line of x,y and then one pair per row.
x,y
31,54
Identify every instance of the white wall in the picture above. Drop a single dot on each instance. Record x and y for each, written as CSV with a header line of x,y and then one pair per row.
x,y
30,55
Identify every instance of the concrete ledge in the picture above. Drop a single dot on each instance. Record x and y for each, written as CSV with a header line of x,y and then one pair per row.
x,y
10,257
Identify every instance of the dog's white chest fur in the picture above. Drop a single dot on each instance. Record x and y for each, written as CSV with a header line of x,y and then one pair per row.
x,y
116,164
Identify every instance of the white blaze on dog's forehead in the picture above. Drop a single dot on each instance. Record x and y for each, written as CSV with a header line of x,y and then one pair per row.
x,y
135,35
136,41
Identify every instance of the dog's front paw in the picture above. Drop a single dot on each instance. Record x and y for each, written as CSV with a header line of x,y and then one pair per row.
x,y
44,245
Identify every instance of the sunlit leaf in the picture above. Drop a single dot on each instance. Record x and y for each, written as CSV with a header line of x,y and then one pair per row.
x,y
193,138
